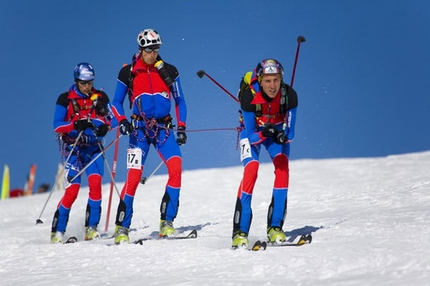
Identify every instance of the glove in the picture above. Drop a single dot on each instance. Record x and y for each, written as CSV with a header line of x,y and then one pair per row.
x,y
125,127
102,130
182,136
101,108
81,125
281,138
269,131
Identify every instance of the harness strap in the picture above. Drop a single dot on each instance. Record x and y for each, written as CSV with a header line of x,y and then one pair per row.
x,y
165,119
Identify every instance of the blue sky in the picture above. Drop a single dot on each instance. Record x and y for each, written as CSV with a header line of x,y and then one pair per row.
x,y
361,78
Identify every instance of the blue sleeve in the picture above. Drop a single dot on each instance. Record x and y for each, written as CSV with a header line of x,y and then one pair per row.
x,y
291,123
250,131
60,125
118,100
181,107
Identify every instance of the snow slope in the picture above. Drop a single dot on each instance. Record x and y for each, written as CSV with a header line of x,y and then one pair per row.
x,y
369,218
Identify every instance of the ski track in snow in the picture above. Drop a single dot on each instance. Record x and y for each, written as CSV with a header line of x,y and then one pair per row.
x,y
369,218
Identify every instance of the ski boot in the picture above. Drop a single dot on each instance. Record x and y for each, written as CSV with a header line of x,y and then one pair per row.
x,y
57,237
276,235
91,233
240,239
166,228
121,235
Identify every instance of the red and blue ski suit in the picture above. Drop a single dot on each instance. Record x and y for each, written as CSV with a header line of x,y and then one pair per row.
x,y
150,102
257,111
70,107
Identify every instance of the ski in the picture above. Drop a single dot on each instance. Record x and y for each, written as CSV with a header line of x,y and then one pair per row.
x,y
258,246
192,234
304,239
72,239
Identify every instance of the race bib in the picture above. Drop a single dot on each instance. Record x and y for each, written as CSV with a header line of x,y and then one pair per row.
x,y
134,158
245,149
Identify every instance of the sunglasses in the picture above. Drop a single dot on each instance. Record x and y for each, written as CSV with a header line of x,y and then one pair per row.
x,y
84,83
151,49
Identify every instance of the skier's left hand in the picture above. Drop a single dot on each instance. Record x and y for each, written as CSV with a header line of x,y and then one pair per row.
x,y
102,130
182,136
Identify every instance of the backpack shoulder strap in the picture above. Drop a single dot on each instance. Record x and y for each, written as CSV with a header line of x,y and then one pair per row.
x,y
134,60
284,98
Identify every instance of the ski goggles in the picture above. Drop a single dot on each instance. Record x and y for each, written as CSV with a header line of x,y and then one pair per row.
x,y
151,49
84,83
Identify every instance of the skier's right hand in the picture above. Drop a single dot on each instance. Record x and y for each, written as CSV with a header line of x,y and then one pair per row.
x,y
269,130
81,125
125,127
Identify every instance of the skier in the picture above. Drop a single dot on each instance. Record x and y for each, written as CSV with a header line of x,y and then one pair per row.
x,y
150,83
268,107
82,117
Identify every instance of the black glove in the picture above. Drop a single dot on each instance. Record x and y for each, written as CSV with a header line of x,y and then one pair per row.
x,y
269,131
101,108
125,127
102,130
182,136
81,125
281,138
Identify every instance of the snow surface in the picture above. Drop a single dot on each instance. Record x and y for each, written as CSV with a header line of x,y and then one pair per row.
x,y
369,218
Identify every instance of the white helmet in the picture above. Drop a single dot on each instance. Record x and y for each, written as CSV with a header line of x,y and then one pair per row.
x,y
148,37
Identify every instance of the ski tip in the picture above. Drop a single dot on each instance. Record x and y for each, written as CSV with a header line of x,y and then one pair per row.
x,y
139,241
306,238
259,245
264,245
71,239
193,234
256,246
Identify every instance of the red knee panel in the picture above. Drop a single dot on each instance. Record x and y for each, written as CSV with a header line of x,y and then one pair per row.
x,y
70,196
250,174
281,171
95,186
132,182
174,168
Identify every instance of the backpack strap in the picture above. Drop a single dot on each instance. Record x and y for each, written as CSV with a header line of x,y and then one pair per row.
x,y
76,107
131,77
284,98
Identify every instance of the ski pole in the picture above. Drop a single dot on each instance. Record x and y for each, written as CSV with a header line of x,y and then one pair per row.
x,y
144,179
111,177
300,40
38,220
210,129
112,183
95,158
201,73
107,166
